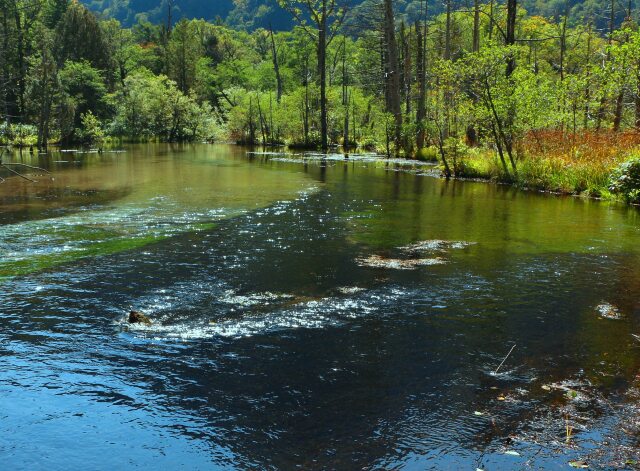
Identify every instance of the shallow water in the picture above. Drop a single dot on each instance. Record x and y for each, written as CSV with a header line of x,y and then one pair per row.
x,y
297,320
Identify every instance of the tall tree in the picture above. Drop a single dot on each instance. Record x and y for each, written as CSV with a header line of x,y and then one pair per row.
x,y
79,37
392,71
327,17
276,65
421,40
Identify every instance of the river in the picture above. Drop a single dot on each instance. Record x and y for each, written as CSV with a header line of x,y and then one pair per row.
x,y
307,312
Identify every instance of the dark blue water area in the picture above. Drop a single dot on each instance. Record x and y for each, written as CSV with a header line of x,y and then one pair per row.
x,y
275,347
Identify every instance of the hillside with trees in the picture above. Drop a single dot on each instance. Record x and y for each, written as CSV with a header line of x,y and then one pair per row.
x,y
252,14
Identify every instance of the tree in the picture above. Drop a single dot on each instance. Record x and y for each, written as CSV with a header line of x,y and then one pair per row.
x,y
392,72
79,38
82,91
327,17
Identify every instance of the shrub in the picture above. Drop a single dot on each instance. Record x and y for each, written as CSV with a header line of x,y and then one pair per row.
x,y
19,135
428,154
456,152
91,131
625,181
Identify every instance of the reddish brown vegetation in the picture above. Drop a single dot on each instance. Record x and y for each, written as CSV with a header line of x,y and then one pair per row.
x,y
603,147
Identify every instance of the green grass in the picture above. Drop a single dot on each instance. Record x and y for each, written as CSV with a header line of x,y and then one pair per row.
x,y
542,174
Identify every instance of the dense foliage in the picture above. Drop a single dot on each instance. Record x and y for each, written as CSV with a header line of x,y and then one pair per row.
x,y
472,87
625,181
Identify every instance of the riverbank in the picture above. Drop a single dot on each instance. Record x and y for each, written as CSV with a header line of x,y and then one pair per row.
x,y
586,165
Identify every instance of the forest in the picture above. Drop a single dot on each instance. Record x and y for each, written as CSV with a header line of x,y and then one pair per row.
x,y
488,90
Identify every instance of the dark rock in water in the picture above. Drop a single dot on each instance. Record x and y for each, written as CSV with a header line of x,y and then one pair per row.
x,y
136,317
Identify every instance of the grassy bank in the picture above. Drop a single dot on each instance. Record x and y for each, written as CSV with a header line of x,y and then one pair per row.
x,y
585,164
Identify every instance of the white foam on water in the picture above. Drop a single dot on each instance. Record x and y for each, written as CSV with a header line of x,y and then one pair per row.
x,y
313,314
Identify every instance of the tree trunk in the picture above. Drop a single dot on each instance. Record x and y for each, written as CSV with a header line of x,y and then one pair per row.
x,y
587,88
510,34
392,66
322,69
637,98
276,66
21,63
476,25
447,35
4,57
345,96
421,112
617,117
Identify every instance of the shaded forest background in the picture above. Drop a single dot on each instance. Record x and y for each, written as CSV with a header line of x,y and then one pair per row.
x,y
251,14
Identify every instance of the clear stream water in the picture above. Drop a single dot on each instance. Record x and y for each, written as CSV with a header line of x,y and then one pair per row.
x,y
296,323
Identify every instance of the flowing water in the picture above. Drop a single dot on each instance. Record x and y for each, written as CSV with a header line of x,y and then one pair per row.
x,y
316,313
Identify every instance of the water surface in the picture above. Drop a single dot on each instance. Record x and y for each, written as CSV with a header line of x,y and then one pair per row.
x,y
283,336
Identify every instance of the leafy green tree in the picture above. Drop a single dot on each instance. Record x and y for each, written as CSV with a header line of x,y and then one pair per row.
x,y
82,90
79,38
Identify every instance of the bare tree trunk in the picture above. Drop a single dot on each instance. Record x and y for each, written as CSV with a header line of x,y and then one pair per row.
x,y
421,112
491,20
510,34
476,25
587,87
563,46
276,66
21,63
345,96
603,100
637,98
406,69
392,66
252,131
322,69
617,117
447,36
5,65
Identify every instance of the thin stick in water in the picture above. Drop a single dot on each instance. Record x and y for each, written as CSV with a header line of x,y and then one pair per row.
x,y
19,174
505,359
29,166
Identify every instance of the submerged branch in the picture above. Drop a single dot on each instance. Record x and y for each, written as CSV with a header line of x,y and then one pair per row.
x,y
17,173
25,165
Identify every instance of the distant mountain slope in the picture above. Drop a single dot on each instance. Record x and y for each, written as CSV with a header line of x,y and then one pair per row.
x,y
241,13
250,14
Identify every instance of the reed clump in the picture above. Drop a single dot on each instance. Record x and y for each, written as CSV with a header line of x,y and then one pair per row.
x,y
581,164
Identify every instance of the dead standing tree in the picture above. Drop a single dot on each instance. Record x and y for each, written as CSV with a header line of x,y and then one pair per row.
x,y
327,17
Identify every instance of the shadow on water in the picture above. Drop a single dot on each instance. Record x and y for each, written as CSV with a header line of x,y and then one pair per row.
x,y
274,346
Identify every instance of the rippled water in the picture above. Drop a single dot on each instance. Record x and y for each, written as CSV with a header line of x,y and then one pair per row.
x,y
299,318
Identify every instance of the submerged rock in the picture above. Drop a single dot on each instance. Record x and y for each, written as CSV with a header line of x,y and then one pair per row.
x,y
378,261
136,317
435,245
349,289
608,311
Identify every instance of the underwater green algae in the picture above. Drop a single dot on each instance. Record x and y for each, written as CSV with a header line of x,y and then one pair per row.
x,y
157,193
